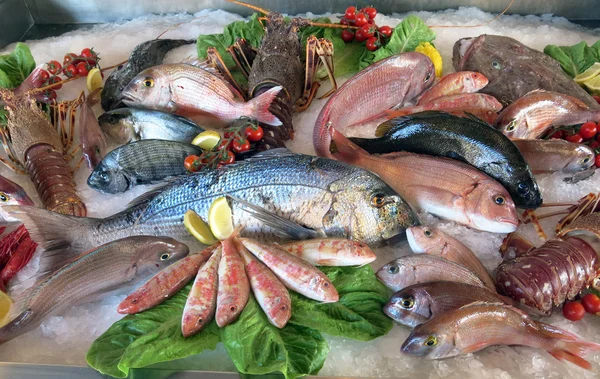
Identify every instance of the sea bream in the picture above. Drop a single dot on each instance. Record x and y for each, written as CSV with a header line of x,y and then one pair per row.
x,y
92,139
454,83
513,69
198,94
544,156
304,197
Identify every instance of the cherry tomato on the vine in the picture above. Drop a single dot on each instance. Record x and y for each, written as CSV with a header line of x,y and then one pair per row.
x,y
229,158
51,94
588,130
350,13
70,71
597,160
368,30
82,69
576,138
44,76
189,162
573,311
591,303
254,134
54,67
347,35
69,58
359,36
229,134
558,134
56,79
343,21
88,53
224,144
372,44
240,145
386,31
369,11
361,19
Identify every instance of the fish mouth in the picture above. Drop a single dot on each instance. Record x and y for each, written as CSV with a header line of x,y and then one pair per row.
x,y
467,47
128,98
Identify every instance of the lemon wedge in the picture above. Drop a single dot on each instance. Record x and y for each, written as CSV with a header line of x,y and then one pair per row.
x,y
94,79
593,85
207,140
219,218
5,304
588,74
428,49
198,228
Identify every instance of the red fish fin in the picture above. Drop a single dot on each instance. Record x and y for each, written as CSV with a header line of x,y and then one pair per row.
x,y
556,332
575,359
393,113
475,347
327,262
344,149
260,107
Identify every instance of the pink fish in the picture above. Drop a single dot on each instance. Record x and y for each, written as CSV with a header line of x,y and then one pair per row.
x,y
91,137
234,288
454,83
452,102
331,252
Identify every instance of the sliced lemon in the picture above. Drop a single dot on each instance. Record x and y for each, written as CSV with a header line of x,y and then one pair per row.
x,y
94,79
219,218
207,140
428,49
5,304
588,74
593,85
198,228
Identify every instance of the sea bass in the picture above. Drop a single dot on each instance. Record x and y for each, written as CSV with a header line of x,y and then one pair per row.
x,y
331,252
130,124
420,268
477,326
552,155
141,162
513,69
447,188
419,303
234,288
312,197
454,83
452,102
92,139
91,276
429,240
531,115
143,56
12,194
198,94
465,139
366,96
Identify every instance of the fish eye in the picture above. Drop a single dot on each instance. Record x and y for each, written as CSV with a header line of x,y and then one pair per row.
x,y
4,197
104,176
585,160
523,188
378,200
97,149
407,302
496,65
430,341
427,77
499,200
148,82
427,232
511,126
165,256
393,269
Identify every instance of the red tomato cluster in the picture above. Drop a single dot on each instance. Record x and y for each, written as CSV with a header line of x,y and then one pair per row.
x,y
575,310
368,31
588,134
236,139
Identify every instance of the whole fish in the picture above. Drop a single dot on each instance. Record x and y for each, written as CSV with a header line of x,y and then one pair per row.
x,y
270,293
141,162
366,96
531,115
450,102
552,155
130,124
454,83
465,139
312,197
165,283
198,94
295,273
90,277
444,187
429,240
234,288
419,303
513,69
12,194
487,115
91,137
201,303
421,268
143,56
477,326
331,252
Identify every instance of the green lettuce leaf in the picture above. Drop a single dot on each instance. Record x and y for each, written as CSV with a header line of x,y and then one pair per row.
x,y
575,59
16,66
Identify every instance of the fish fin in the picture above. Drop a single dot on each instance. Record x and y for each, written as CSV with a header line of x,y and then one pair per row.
x,y
328,262
477,303
280,152
472,117
148,196
259,107
475,347
573,351
392,113
344,149
383,129
282,226
555,332
206,66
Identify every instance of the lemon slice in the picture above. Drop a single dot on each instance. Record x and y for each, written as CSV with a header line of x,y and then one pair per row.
x,y
593,85
588,74
5,304
198,228
94,79
428,49
219,218
207,140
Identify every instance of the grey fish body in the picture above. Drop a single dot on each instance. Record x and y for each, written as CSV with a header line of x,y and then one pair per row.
x,y
144,55
141,162
556,155
100,270
132,124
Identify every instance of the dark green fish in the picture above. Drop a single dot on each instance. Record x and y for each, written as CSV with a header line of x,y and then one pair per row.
x,y
467,139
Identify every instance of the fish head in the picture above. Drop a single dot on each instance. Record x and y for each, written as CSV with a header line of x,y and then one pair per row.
x,y
474,81
150,89
490,207
581,159
512,122
108,178
94,147
425,239
159,252
429,340
396,275
324,289
118,125
422,76
12,194
410,306
358,253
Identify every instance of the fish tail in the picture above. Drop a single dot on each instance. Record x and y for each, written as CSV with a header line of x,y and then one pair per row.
x,y
259,107
343,149
19,325
568,346
393,113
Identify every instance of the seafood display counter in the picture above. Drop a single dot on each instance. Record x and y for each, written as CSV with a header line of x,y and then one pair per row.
x,y
299,189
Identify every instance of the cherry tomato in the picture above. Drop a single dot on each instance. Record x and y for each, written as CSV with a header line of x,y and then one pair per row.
x,y
386,31
69,58
591,303
558,134
229,134
343,21
44,76
369,11
347,35
372,44
229,158
82,69
190,162
573,311
597,161
361,19
56,79
70,71
88,53
240,145
51,94
594,145
368,30
588,130
359,36
350,13
577,138
254,134
54,67
224,144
